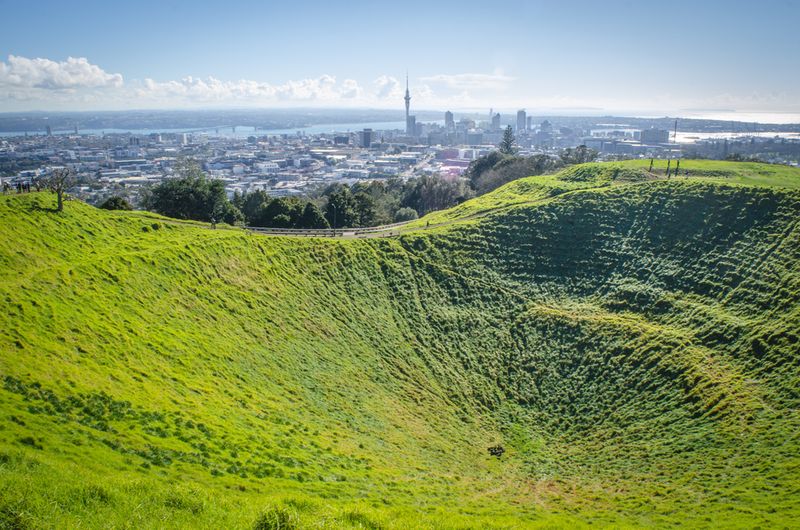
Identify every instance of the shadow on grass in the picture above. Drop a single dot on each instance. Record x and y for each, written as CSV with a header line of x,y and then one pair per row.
x,y
40,208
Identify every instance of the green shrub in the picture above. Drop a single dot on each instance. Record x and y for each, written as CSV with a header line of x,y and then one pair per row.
x,y
277,518
405,214
116,203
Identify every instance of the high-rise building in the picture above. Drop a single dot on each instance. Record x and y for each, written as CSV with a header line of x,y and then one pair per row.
x,y
49,131
411,125
449,122
654,136
496,122
521,121
365,138
474,137
530,123
546,126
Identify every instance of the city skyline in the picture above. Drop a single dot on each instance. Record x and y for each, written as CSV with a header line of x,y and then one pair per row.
x,y
590,59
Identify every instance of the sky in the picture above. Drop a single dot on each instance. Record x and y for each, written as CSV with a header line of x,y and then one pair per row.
x,y
633,57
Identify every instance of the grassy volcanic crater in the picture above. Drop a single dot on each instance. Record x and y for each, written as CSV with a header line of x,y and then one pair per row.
x,y
631,342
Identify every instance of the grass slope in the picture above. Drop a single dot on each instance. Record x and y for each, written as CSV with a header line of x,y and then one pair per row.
x,y
631,341
535,189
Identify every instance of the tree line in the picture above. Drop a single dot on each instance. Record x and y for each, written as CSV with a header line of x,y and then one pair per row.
x,y
358,205
499,167
192,195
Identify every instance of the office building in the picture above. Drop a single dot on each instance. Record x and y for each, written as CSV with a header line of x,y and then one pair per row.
x,y
654,136
496,122
522,121
365,138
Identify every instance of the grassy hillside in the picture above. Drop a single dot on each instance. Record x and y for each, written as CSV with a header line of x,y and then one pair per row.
x,y
534,189
631,341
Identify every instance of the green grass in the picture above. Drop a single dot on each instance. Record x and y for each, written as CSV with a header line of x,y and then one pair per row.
x,y
531,190
631,341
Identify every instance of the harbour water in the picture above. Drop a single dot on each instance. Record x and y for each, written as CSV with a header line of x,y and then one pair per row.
x,y
239,131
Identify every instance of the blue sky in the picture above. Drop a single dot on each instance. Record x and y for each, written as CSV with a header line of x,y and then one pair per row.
x,y
645,57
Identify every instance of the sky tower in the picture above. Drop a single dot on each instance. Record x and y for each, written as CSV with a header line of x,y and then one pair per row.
x,y
407,99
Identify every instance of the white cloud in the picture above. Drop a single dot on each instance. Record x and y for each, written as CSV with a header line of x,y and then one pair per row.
x,y
492,81
212,90
387,87
77,84
351,90
38,73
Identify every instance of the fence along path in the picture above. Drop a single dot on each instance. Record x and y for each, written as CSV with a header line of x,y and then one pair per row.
x,y
372,231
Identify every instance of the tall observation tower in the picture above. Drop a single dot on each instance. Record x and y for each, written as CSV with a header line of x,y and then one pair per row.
x,y
407,98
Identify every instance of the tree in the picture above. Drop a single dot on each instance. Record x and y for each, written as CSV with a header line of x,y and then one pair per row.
x,y
116,203
578,155
341,209
282,220
312,217
281,212
384,200
226,212
58,181
405,214
192,196
513,168
507,143
365,209
481,165
251,205
429,193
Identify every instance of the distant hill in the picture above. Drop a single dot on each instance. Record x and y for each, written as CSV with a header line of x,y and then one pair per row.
x,y
630,341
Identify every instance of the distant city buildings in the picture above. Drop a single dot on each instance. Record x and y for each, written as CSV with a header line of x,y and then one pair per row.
x,y
365,138
654,136
522,122
288,164
449,122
